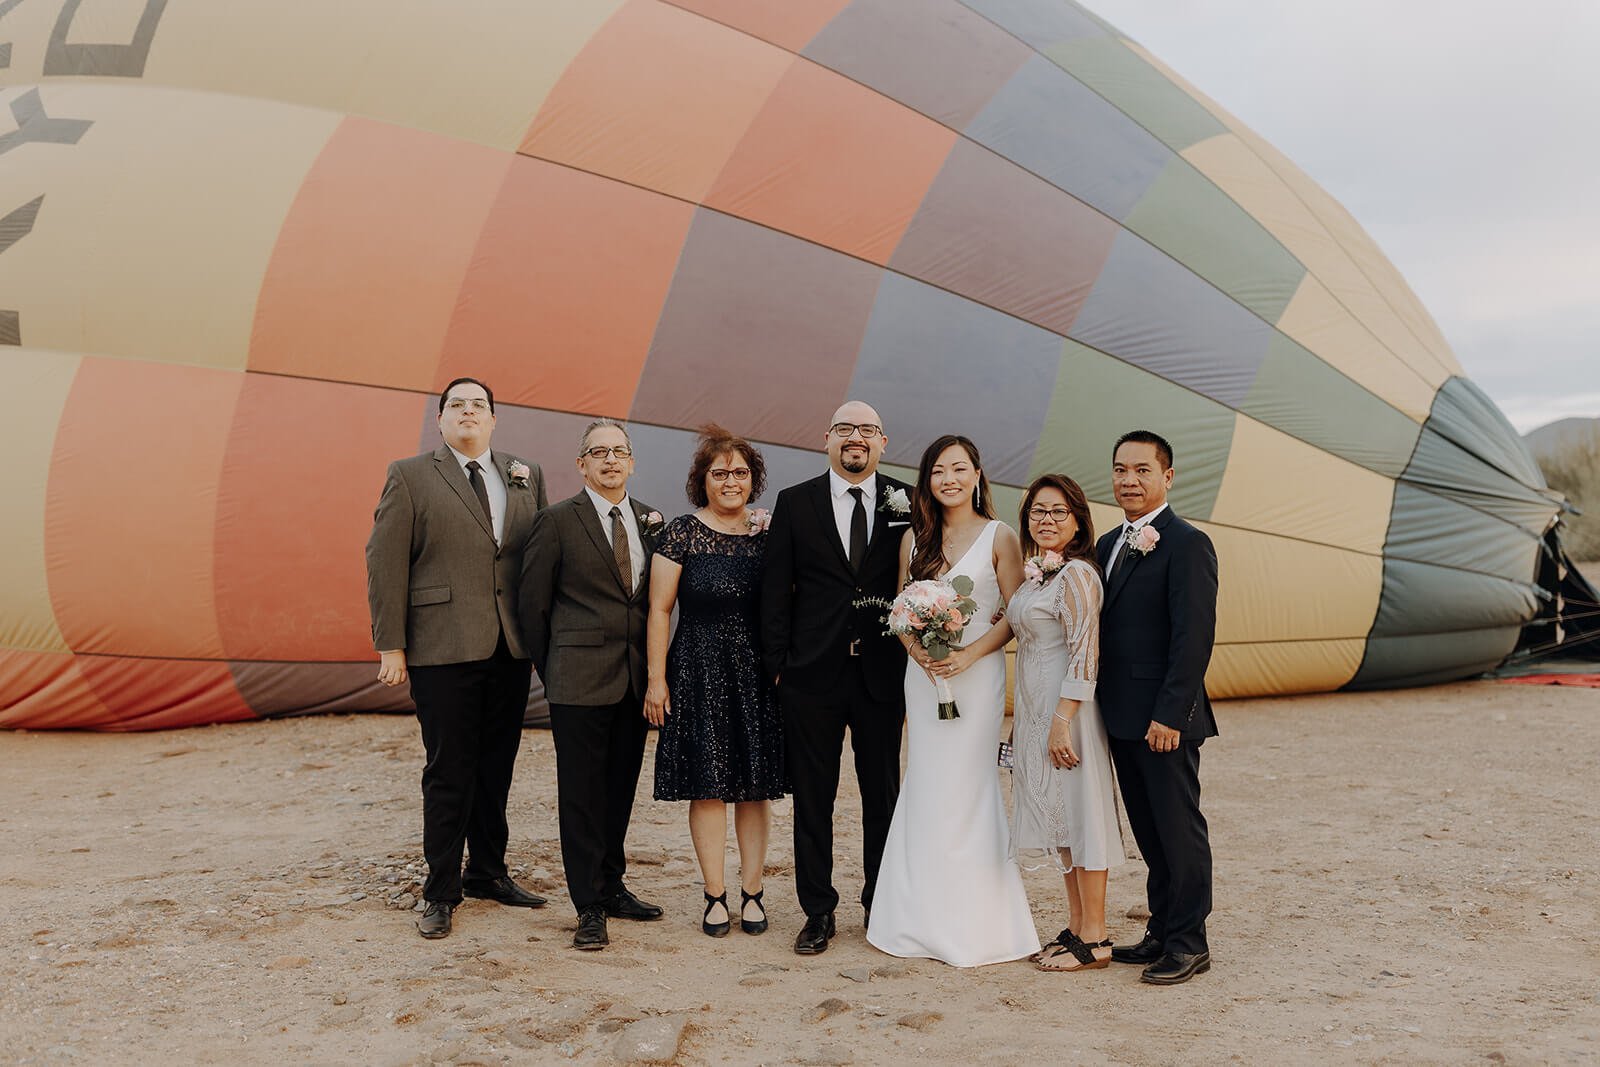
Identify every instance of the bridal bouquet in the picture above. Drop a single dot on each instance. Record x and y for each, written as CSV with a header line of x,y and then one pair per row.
x,y
934,613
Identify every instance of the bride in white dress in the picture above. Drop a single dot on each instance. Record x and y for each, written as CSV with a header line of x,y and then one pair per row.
x,y
948,889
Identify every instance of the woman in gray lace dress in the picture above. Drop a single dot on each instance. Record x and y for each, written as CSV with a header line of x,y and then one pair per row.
x,y
1064,812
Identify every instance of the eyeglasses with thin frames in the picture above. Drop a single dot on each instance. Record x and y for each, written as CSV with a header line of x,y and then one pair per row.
x,y
849,429
738,474
1055,515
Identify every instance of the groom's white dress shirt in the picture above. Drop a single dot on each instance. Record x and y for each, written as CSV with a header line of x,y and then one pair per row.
x,y
1122,536
844,505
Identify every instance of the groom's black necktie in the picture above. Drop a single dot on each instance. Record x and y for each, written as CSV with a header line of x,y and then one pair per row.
x,y
858,530
475,476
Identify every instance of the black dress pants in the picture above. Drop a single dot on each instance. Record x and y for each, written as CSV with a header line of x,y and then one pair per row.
x,y
813,735
1161,792
471,718
598,754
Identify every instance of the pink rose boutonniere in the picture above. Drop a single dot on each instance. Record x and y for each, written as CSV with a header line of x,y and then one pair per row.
x,y
1143,540
653,522
518,474
759,520
1040,569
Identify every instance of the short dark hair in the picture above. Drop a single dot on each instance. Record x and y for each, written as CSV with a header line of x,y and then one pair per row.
x,y
466,381
1147,437
716,441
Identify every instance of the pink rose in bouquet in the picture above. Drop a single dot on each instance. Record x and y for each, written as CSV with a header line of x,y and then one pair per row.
x,y
934,613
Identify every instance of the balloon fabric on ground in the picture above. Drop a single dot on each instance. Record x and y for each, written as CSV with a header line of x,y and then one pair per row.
x,y
242,247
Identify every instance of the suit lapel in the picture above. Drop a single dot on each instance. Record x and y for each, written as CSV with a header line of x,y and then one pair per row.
x,y
1131,559
445,463
822,500
516,502
590,519
881,515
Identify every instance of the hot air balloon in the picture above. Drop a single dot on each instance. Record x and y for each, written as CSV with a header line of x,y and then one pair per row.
x,y
243,244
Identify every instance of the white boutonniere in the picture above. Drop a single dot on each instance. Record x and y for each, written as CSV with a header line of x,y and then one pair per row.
x,y
759,520
895,501
1142,539
518,474
653,522
1040,569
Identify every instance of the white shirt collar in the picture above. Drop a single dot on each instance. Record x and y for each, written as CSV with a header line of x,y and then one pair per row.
x,y
869,487
463,459
604,506
1144,520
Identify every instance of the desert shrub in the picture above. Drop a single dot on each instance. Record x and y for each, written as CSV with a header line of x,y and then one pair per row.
x,y
1575,471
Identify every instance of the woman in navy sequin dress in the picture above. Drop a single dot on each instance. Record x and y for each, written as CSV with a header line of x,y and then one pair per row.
x,y
721,739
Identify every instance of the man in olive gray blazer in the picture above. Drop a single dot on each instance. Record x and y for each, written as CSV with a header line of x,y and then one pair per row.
x,y
585,597
443,564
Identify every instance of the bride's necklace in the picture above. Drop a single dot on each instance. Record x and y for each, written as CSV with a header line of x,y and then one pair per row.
x,y
739,525
948,539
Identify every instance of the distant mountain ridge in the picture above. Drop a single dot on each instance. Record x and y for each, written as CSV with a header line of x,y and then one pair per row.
x,y
1555,437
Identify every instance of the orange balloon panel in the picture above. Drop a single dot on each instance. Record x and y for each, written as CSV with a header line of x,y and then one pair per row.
x,y
571,271
47,691
302,474
370,260
177,692
131,507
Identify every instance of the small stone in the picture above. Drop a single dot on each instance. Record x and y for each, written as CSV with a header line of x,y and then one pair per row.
x,y
341,998
755,980
830,1007
892,969
447,1051
828,1056
562,1021
650,1040
405,901
920,1020
357,896
610,1026
1138,911
857,974
288,963
622,1011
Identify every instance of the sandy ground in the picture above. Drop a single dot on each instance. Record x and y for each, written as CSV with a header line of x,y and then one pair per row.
x,y
1401,877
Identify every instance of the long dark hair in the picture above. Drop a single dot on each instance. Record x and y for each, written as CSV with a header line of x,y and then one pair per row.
x,y
1082,544
927,514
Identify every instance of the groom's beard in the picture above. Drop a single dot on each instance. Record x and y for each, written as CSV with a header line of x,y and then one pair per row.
x,y
854,463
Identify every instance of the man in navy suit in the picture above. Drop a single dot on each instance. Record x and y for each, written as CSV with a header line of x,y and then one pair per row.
x,y
1156,633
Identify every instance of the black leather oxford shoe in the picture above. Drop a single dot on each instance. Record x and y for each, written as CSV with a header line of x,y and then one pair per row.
x,y
1146,952
813,939
627,906
591,933
1175,968
435,920
503,891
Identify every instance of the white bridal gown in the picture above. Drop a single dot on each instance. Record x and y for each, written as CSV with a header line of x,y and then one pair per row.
x,y
948,889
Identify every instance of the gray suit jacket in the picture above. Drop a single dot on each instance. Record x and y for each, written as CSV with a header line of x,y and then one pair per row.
x,y
586,635
437,584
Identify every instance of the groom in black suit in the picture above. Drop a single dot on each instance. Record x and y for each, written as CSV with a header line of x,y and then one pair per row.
x,y
834,540
1156,633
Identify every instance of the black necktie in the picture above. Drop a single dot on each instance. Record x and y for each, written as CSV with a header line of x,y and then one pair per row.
x,y
858,531
619,548
475,476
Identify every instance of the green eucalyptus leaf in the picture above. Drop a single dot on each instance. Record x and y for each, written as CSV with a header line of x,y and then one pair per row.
x,y
961,584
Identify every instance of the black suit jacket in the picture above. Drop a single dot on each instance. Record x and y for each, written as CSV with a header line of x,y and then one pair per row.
x,y
585,633
1156,631
807,592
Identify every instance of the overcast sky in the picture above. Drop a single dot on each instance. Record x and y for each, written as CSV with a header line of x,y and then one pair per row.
x,y
1464,135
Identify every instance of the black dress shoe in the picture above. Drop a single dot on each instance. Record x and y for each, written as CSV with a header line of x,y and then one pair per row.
x,y
627,906
813,939
752,926
1144,953
591,929
435,920
503,891
1176,967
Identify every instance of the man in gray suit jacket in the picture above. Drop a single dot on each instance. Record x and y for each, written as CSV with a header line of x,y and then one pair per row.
x,y
585,597
443,563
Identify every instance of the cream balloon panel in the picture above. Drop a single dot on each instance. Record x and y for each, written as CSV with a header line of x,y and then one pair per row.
x,y
164,263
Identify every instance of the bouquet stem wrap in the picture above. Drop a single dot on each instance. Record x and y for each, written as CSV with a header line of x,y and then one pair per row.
x,y
947,700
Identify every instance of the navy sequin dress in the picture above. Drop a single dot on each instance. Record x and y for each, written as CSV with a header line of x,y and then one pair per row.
x,y
723,739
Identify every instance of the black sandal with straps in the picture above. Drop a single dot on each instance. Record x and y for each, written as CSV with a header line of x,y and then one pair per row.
x,y
757,926
710,928
1080,950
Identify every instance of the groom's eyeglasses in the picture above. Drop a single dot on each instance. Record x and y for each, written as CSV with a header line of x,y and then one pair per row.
x,y
601,452
1055,515
738,474
850,429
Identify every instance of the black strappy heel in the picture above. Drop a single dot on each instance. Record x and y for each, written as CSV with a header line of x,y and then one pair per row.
x,y
759,926
1080,950
712,929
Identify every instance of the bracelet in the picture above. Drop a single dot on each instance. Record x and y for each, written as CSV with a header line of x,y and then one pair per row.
x,y
1062,717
